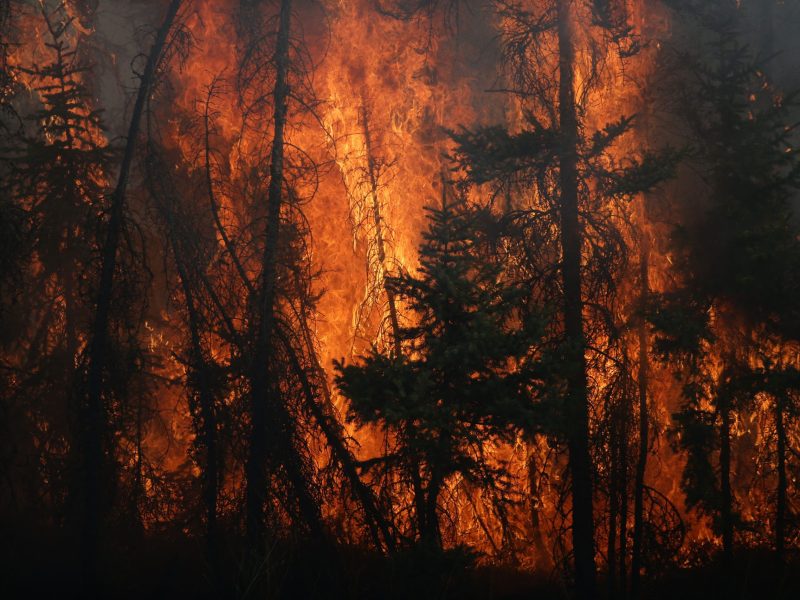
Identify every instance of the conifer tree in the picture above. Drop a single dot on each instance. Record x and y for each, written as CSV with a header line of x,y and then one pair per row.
x,y
738,255
58,177
462,376
568,183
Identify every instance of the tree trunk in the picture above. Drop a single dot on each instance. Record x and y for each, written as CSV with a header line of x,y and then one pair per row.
x,y
618,505
613,511
623,502
577,393
431,535
198,370
542,556
379,528
725,484
98,347
262,391
767,45
780,506
379,240
641,463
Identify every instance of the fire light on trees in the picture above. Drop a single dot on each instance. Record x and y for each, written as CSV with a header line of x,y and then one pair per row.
x,y
440,286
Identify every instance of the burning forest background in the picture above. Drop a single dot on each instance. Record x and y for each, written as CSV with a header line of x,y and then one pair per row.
x,y
399,298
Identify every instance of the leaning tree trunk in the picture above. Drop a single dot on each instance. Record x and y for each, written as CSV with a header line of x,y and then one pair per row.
x,y
98,346
641,462
262,391
198,381
379,237
577,392
378,526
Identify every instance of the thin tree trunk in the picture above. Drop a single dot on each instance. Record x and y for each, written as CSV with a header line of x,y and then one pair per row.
x,y
71,397
98,348
379,239
197,375
780,506
725,483
379,528
419,499
623,501
613,512
262,391
767,45
432,536
332,432
542,556
198,369
641,463
577,393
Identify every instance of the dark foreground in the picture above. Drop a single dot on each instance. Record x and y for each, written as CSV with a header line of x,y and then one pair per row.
x,y
36,565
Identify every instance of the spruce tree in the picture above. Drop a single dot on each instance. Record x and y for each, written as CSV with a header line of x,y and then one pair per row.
x,y
736,253
57,177
462,375
568,181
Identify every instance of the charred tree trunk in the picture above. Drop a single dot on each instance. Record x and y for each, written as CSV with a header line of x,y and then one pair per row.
x,y
98,347
623,501
577,392
618,505
780,505
726,507
641,462
431,535
767,45
379,528
618,501
262,391
542,557
379,238
419,498
197,372
613,511
198,375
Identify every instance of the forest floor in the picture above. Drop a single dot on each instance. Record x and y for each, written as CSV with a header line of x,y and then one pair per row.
x,y
143,567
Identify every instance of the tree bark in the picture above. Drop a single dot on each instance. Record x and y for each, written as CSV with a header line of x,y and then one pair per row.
x,y
780,505
431,535
98,347
623,510
542,556
379,528
726,508
767,45
577,393
613,513
641,463
198,370
379,239
197,375
262,391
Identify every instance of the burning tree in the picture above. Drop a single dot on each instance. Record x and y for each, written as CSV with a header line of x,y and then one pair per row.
x,y
730,322
57,169
460,375
171,303
573,178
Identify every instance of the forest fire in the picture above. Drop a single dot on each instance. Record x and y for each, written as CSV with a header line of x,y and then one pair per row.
x,y
390,298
